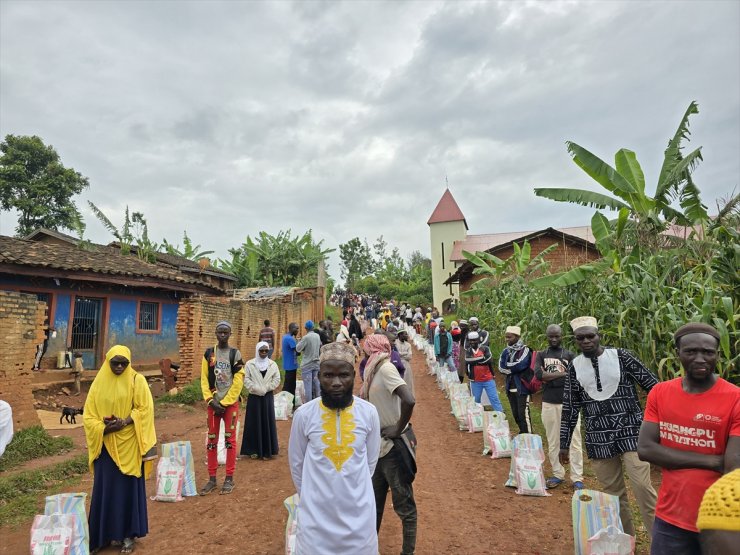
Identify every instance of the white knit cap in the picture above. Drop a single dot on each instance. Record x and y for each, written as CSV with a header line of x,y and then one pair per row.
x,y
473,335
473,319
516,330
584,322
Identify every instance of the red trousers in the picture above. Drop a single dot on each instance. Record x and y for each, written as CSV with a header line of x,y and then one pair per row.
x,y
230,417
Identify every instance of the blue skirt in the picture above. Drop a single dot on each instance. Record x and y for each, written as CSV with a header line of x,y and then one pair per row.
x,y
117,504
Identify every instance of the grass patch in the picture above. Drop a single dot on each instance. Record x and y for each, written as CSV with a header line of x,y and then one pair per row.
x,y
19,500
32,443
336,314
187,395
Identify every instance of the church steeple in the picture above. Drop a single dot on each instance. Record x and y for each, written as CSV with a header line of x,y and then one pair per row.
x,y
447,210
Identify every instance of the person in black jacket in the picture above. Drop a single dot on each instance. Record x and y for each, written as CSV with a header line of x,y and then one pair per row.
x,y
551,367
354,327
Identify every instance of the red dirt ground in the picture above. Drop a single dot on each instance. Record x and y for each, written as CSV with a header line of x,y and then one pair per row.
x,y
463,505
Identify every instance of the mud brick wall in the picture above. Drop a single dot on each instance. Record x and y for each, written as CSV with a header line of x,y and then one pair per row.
x,y
197,318
21,330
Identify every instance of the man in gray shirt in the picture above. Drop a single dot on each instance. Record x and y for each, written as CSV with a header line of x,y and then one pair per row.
x,y
309,347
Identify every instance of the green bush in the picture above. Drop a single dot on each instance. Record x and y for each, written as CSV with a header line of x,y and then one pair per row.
x,y
32,443
188,395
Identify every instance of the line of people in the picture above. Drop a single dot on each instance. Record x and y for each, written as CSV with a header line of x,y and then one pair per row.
x,y
690,428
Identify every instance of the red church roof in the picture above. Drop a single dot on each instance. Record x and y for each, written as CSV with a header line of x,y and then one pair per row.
x,y
447,210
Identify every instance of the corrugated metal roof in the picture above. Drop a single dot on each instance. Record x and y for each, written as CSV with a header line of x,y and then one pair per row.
x,y
477,243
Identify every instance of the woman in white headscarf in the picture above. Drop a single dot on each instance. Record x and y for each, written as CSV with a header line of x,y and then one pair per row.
x,y
262,377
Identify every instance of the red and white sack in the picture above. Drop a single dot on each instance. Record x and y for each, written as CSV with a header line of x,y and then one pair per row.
x,y
475,418
170,478
499,438
54,534
530,477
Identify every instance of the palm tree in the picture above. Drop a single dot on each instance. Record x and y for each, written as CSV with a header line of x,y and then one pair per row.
x,y
189,251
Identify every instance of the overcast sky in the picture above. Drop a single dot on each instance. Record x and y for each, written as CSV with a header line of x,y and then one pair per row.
x,y
230,118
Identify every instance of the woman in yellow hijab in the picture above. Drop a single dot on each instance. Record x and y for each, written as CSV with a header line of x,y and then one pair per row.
x,y
119,429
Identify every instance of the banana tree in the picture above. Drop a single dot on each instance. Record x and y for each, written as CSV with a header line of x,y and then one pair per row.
x,y
650,215
519,264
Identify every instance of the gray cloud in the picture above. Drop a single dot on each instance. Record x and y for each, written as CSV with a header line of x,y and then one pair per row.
x,y
345,117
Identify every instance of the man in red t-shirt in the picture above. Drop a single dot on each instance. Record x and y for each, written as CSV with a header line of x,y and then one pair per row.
x,y
692,430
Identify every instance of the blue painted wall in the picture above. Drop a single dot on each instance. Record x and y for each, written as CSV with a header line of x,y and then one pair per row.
x,y
146,348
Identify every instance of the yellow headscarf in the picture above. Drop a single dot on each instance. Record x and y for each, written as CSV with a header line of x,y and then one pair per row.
x,y
120,396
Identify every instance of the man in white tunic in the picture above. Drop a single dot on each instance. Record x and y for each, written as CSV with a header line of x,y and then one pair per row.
x,y
333,449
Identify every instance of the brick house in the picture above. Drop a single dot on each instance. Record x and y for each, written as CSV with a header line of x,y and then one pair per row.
x,y
97,297
575,246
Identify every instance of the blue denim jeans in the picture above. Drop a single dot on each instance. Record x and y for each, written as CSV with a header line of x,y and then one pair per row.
x,y
448,361
490,387
310,377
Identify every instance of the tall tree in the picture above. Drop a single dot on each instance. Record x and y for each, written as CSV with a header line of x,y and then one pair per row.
x,y
34,182
357,261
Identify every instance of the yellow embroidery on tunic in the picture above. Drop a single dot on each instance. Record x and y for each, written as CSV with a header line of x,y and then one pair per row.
x,y
338,450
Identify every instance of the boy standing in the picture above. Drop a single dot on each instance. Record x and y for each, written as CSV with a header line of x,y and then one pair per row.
x,y
221,380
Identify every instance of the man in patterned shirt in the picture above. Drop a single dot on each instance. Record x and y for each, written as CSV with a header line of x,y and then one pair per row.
x,y
601,382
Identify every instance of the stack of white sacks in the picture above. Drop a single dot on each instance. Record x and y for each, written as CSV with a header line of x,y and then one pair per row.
x,y
596,528
525,450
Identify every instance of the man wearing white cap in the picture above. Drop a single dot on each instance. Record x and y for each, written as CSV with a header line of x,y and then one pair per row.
x,y
601,382
483,336
516,359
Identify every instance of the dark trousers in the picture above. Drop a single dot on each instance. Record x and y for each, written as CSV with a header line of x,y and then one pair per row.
x,y
402,494
672,540
289,383
520,410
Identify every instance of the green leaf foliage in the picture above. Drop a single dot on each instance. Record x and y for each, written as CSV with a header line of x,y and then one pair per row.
x,y
35,183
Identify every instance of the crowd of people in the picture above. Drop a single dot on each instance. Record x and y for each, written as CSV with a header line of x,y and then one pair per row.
x,y
347,451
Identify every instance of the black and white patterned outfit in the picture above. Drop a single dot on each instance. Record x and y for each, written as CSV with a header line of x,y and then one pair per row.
x,y
604,388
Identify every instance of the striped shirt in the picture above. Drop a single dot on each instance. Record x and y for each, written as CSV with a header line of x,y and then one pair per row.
x,y
613,424
268,336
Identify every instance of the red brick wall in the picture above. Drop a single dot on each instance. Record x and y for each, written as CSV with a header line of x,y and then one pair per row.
x,y
21,330
566,255
198,316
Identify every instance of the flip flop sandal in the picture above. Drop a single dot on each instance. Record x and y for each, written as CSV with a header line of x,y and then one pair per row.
x,y
127,546
553,482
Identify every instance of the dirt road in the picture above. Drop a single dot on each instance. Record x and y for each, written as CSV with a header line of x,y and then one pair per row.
x,y
463,505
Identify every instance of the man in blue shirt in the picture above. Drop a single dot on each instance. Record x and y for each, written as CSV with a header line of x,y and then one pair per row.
x,y
290,358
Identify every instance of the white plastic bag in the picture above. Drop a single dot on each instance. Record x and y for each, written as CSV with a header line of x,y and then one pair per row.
x,y
300,394
55,534
499,436
524,446
221,447
183,453
71,503
530,477
170,477
475,418
611,541
291,527
283,405
593,511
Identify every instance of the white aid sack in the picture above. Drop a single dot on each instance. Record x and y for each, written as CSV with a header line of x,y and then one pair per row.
x,y
170,478
530,477
54,534
283,405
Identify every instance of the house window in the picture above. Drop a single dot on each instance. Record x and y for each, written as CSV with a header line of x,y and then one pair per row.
x,y
148,317
443,256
